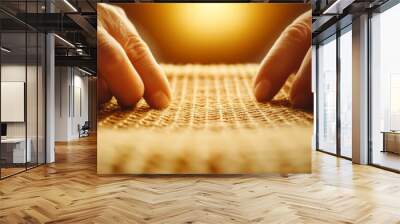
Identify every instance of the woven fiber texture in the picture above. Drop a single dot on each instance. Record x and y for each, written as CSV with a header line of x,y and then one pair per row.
x,y
209,97
213,125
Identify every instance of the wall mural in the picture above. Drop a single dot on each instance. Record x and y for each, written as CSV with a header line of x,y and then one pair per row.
x,y
204,88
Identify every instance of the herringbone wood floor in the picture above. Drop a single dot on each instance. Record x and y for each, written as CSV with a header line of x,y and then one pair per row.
x,y
70,191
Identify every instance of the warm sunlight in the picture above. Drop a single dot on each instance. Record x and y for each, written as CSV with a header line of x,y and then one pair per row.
x,y
210,32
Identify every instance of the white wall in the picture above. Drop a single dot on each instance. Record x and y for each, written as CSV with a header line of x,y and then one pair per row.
x,y
71,94
61,114
80,84
12,73
33,127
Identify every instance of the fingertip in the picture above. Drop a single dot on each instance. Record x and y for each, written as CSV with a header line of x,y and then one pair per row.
x,y
157,90
263,91
159,100
134,95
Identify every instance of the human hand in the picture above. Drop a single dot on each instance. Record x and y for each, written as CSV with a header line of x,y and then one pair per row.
x,y
127,69
290,53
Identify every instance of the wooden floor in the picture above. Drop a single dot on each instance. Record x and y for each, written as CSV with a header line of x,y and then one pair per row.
x,y
5,172
69,191
387,159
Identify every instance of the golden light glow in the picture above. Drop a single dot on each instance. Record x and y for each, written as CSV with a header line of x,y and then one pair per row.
x,y
210,19
211,32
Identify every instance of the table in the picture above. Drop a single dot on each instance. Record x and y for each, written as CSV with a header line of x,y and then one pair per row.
x,y
391,141
16,148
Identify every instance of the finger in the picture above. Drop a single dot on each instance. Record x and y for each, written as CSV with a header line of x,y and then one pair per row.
x,y
284,58
157,91
300,92
103,92
113,63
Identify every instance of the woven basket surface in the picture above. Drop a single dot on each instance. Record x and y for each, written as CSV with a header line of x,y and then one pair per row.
x,y
209,97
213,125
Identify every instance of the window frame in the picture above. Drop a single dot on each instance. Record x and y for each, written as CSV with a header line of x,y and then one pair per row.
x,y
334,37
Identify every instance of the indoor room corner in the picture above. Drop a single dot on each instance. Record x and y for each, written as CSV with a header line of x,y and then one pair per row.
x,y
75,81
48,84
75,104
22,100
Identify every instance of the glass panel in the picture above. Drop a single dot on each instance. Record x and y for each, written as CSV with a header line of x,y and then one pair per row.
x,y
32,89
385,84
23,90
13,87
327,96
345,94
31,100
41,99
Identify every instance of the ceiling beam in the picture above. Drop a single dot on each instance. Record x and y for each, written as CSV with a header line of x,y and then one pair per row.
x,y
79,61
84,24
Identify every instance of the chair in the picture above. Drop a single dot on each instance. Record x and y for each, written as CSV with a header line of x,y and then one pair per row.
x,y
84,130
